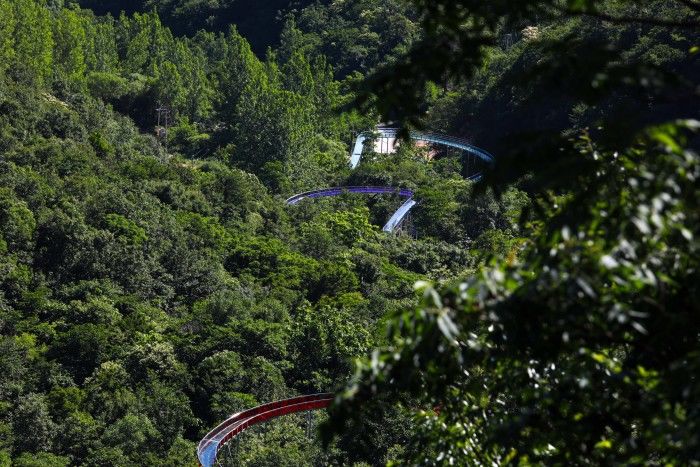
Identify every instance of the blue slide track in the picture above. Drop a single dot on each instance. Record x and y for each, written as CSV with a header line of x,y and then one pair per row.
x,y
433,138
391,134
395,219
212,444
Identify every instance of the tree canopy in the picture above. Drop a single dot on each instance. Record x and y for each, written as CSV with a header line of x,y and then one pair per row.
x,y
581,348
153,282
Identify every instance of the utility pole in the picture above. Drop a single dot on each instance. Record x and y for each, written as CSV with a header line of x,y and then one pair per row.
x,y
163,124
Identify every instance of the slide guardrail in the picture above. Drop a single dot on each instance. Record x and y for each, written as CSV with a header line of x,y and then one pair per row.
x,y
210,446
435,138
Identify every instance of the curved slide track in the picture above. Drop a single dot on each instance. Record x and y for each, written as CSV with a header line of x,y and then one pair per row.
x,y
395,220
210,447
390,135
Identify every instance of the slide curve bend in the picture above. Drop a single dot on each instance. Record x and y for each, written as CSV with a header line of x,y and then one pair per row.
x,y
395,219
420,136
210,446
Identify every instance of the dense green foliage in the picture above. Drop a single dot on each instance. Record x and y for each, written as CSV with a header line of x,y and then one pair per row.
x,y
354,35
582,349
260,22
152,285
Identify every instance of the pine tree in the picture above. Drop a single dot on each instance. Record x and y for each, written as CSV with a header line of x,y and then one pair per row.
x,y
191,63
70,46
7,28
169,86
239,67
148,44
101,49
297,75
33,42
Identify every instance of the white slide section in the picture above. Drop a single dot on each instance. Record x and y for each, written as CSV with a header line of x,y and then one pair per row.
x,y
399,215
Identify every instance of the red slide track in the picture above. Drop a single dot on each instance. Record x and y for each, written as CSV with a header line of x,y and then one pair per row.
x,y
209,447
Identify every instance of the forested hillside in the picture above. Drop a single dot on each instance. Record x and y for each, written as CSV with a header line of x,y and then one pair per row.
x,y
260,22
354,35
151,287
153,282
